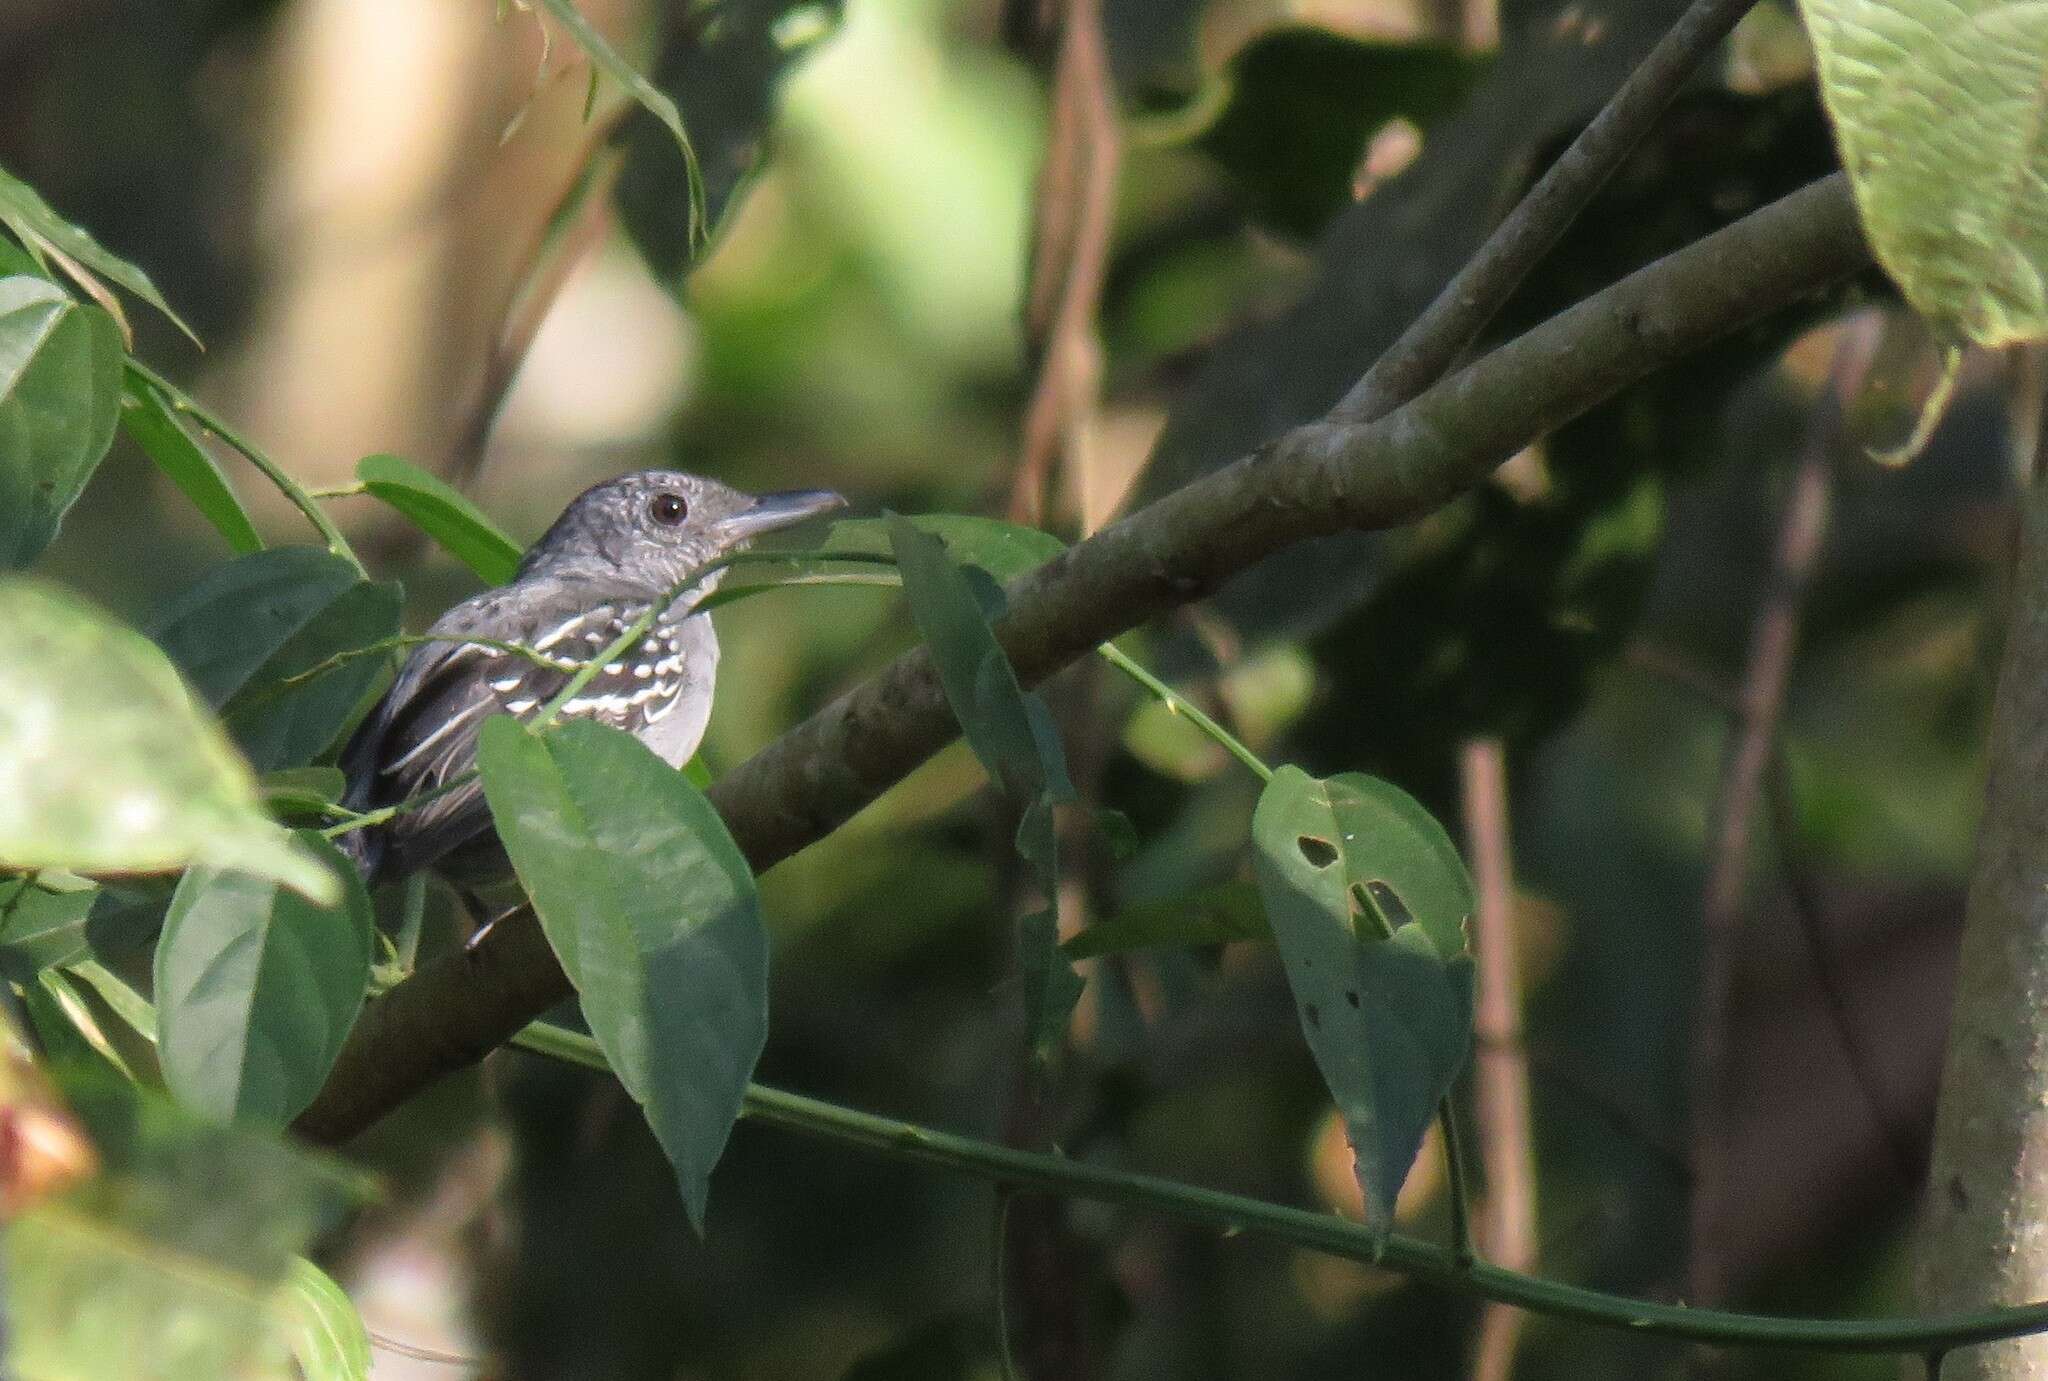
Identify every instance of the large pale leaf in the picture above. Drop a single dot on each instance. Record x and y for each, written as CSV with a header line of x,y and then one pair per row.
x,y
164,435
1388,1018
256,989
458,525
1942,116
60,394
30,217
107,764
651,908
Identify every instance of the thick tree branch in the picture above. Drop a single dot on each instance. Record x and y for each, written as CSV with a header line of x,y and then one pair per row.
x,y
1318,479
1987,1196
1427,349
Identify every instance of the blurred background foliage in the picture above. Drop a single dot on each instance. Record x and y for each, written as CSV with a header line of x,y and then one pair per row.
x,y
364,206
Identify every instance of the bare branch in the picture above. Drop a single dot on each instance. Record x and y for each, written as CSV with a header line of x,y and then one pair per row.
x,y
1426,350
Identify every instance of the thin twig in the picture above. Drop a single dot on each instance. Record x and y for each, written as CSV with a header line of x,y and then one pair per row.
x,y
914,1143
1077,208
1500,1064
1774,637
1427,350
1827,972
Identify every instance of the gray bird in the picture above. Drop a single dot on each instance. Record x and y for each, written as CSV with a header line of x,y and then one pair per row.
x,y
618,548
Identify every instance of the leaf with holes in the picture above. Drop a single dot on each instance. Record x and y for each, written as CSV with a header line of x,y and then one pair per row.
x,y
107,765
60,393
651,908
1387,1017
165,437
458,525
256,989
30,217
1938,106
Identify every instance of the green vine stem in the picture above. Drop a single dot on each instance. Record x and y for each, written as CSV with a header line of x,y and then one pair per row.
x,y
1052,1174
272,471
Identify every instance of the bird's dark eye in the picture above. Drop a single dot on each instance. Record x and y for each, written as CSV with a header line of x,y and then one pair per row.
x,y
668,509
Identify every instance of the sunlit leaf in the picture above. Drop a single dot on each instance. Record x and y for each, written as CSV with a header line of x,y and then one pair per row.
x,y
651,908
320,1323
1387,1017
1938,106
165,436
29,216
60,393
107,764
256,989
458,525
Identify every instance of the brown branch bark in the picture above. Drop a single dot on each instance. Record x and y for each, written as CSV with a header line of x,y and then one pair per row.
x,y
1426,350
1500,1066
1774,637
1985,1233
1318,479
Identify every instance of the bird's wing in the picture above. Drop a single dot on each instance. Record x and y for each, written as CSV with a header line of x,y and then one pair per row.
x,y
422,737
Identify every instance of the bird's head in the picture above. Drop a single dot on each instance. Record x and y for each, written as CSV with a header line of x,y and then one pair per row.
x,y
648,532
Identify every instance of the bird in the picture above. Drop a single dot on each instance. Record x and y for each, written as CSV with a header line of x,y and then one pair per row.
x,y
619,548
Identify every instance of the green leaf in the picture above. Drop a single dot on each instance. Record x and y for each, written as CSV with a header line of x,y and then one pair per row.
x,y
1004,550
256,989
320,1323
30,217
65,1026
443,514
1938,106
606,59
225,626
1207,916
1389,1020
40,928
60,393
280,722
1013,735
651,909
107,764
166,437
302,790
1401,864
165,1266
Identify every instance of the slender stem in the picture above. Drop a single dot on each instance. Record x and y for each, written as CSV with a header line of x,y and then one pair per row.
x,y
1181,706
1459,1187
1427,350
272,471
370,818
1055,1174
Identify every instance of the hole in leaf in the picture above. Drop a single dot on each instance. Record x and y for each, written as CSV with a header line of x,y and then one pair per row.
x,y
1389,903
1313,1013
1351,996
1320,853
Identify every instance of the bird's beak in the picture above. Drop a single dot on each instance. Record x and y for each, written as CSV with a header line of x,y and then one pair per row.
x,y
773,511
